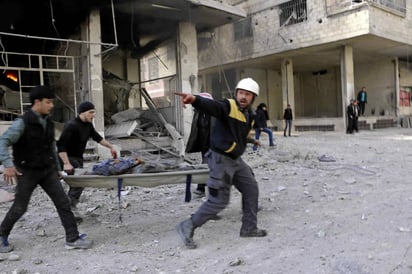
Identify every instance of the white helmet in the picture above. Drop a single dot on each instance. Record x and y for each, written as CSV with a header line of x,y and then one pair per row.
x,y
248,84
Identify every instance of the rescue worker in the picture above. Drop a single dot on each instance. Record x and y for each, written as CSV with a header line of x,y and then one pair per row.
x,y
72,145
228,141
34,163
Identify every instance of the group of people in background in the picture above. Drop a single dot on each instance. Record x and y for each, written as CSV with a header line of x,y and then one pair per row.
x,y
354,110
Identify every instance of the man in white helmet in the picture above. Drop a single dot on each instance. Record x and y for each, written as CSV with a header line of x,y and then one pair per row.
x,y
228,141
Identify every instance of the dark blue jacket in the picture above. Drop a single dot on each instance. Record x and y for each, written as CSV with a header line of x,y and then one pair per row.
x,y
232,125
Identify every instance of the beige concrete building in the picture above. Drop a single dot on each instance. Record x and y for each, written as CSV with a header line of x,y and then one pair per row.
x,y
316,55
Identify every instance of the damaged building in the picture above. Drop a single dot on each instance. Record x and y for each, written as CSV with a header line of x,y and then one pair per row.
x,y
316,55
129,57
108,52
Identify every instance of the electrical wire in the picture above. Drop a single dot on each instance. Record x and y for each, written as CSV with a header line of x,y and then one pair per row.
x,y
114,23
3,50
52,19
221,70
131,28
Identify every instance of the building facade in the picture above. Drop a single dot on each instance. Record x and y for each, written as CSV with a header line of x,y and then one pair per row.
x,y
315,55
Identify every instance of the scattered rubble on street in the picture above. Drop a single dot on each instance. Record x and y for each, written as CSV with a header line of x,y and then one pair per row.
x,y
351,215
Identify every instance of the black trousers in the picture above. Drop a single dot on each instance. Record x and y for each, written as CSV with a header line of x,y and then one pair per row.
x,y
75,192
225,172
48,179
349,128
362,107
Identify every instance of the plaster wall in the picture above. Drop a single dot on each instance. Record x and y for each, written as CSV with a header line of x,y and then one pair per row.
x,y
271,38
275,104
321,27
391,26
318,95
379,79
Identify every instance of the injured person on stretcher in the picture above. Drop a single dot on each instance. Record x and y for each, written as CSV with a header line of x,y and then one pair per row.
x,y
115,166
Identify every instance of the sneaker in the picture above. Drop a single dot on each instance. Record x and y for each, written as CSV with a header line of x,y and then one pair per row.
x,y
5,247
80,243
186,230
253,233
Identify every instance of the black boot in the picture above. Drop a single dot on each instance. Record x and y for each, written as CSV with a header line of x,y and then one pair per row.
x,y
186,230
255,232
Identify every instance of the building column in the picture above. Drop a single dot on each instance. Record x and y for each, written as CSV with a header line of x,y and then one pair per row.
x,y
397,86
95,68
133,75
288,88
187,72
348,80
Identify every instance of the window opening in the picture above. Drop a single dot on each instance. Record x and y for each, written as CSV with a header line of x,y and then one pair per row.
x,y
243,28
292,12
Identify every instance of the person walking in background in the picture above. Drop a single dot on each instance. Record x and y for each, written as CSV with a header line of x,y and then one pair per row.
x,y
356,111
228,142
72,144
35,162
261,124
288,116
351,116
199,138
363,100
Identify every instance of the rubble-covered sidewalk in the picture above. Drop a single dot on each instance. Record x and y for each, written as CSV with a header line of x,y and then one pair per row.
x,y
331,202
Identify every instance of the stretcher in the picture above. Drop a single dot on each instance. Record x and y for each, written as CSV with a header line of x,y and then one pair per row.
x,y
198,175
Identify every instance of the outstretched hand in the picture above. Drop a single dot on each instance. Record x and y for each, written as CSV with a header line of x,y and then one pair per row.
x,y
186,98
10,175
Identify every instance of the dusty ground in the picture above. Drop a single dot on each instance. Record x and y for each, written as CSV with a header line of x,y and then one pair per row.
x,y
348,216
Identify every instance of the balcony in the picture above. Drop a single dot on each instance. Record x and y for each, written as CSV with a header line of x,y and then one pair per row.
x,y
338,6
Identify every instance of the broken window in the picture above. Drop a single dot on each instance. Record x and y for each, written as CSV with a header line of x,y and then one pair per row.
x,y
153,68
405,97
292,12
243,28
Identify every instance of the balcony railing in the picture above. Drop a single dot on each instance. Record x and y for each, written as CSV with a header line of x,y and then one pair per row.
x,y
337,6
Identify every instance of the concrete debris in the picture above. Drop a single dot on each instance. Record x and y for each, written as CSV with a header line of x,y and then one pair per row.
x,y
325,158
236,262
41,233
14,257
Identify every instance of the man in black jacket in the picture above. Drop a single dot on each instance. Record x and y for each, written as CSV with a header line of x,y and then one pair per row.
x,y
72,144
261,124
228,142
288,116
350,112
34,163
199,138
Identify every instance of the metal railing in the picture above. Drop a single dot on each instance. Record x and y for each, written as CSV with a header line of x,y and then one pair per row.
x,y
292,12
